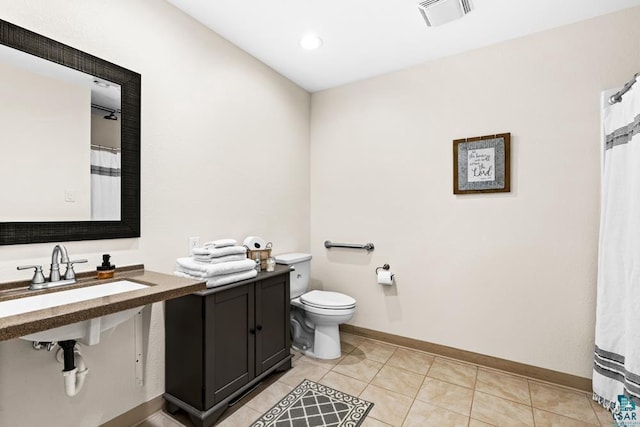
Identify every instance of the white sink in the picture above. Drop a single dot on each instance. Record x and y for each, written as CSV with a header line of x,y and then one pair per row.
x,y
87,331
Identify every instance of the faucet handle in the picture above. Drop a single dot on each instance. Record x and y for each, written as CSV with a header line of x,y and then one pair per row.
x,y
38,277
70,274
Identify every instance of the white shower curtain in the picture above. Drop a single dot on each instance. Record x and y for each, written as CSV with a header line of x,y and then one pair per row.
x,y
105,185
616,369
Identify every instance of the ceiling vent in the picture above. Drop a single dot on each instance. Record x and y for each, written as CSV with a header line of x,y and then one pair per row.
x,y
438,12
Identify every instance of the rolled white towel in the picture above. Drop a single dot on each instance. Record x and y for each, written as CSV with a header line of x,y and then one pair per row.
x,y
217,260
203,270
221,243
218,252
225,279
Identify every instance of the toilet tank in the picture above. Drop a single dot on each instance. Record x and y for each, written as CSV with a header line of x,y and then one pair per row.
x,y
302,273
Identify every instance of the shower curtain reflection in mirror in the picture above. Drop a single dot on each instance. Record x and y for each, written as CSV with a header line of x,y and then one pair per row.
x,y
105,185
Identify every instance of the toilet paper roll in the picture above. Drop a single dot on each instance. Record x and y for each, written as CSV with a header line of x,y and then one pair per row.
x,y
255,242
385,277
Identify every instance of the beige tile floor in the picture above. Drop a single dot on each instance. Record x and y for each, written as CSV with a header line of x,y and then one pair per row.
x,y
413,388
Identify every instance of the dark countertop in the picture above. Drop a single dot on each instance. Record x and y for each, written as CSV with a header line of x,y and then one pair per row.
x,y
279,269
161,287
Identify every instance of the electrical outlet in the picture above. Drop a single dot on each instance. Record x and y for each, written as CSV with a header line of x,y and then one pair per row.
x,y
69,195
194,242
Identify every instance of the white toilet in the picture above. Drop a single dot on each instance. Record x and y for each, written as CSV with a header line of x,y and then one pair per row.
x,y
315,315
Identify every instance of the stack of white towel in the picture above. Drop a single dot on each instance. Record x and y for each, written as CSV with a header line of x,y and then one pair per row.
x,y
219,262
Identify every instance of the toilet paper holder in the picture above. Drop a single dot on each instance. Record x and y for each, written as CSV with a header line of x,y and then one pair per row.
x,y
384,267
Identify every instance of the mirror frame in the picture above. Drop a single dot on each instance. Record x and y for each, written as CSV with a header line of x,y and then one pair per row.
x,y
12,233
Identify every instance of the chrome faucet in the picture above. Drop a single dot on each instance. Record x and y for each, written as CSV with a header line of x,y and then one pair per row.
x,y
58,250
59,253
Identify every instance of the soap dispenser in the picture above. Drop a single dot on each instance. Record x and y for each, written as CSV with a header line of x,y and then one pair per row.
x,y
106,270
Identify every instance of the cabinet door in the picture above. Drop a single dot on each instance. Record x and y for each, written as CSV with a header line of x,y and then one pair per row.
x,y
229,342
272,321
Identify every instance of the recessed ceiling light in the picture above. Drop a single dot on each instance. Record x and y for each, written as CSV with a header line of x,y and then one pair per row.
x,y
310,42
101,83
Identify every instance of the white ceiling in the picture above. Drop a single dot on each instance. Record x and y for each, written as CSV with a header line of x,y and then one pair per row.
x,y
365,38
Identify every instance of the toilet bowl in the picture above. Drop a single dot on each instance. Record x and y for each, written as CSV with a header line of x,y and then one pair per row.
x,y
315,315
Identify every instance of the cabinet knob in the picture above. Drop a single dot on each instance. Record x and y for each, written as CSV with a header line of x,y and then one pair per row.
x,y
252,331
259,327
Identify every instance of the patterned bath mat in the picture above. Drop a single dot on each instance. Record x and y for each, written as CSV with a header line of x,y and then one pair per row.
x,y
311,404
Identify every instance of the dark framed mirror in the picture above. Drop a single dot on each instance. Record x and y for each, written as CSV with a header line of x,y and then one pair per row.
x,y
37,223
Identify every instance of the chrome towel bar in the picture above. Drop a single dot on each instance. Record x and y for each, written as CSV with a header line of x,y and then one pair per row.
x,y
367,246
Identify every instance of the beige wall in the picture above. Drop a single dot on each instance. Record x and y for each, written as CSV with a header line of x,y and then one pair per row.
x,y
45,122
225,153
508,275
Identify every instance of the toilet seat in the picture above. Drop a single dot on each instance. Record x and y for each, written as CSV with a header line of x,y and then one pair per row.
x,y
327,312
327,300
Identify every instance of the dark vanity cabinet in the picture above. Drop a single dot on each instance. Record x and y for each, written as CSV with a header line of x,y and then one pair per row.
x,y
223,341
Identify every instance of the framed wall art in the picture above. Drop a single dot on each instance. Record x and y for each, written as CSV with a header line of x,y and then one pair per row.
x,y
482,164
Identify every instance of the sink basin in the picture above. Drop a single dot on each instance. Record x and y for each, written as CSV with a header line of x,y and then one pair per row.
x,y
55,299
87,331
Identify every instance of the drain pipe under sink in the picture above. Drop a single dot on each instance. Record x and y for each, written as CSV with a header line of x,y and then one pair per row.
x,y
73,375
